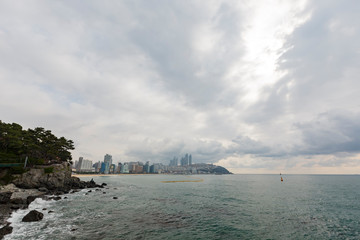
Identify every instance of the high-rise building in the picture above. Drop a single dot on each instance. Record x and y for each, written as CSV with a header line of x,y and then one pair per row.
x,y
124,168
108,161
174,162
147,167
103,168
186,160
112,168
84,165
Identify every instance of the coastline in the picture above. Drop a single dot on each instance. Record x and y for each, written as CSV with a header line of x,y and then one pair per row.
x,y
109,175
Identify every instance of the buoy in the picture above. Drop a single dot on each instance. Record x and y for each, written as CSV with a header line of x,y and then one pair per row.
x,y
281,179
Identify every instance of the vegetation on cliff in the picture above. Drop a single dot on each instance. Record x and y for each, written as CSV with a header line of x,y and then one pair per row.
x,y
39,145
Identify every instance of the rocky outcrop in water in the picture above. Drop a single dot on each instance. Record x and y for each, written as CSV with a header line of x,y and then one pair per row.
x,y
5,230
33,216
53,179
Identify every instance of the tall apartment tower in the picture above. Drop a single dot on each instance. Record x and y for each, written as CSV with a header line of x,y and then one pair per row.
x,y
108,162
190,159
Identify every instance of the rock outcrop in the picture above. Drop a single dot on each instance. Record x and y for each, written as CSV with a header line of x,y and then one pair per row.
x,y
55,179
37,182
33,216
48,176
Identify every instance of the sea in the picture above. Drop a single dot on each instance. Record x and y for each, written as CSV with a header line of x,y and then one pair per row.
x,y
201,207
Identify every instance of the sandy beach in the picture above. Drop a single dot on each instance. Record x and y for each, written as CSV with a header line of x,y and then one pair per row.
x,y
107,175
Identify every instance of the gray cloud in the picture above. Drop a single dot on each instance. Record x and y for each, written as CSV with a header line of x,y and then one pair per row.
x,y
152,80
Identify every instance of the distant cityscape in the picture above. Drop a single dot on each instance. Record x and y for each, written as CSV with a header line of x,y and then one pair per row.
x,y
107,166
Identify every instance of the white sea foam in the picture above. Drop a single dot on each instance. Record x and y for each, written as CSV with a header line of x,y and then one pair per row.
x,y
21,229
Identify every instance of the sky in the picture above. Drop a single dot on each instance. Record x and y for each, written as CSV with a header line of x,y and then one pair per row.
x,y
262,86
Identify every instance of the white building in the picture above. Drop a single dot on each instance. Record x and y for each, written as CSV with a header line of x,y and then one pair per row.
x,y
85,165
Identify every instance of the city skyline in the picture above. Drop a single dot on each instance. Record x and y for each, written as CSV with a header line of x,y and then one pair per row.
x,y
254,86
186,166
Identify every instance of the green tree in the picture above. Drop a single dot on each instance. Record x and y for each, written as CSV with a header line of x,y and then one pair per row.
x,y
40,145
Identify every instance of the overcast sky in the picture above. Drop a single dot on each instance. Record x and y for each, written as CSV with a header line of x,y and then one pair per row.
x,y
254,86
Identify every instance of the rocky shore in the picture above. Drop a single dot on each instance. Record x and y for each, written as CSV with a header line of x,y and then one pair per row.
x,y
37,182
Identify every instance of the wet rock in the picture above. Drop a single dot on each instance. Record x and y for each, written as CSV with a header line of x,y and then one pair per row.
x,y
55,198
15,207
65,197
103,184
74,229
30,199
104,192
50,211
115,197
5,230
42,189
33,216
89,191
44,209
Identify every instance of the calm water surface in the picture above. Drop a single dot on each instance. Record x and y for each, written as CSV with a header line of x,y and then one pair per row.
x,y
219,207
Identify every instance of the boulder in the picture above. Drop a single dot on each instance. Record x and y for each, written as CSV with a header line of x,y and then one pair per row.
x,y
5,230
15,207
30,199
33,216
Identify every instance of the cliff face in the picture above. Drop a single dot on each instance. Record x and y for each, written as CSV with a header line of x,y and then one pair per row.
x,y
51,177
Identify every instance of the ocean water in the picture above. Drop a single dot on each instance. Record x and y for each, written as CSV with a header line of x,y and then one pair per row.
x,y
219,207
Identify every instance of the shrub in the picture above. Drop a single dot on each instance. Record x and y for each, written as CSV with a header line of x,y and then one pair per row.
x,y
49,170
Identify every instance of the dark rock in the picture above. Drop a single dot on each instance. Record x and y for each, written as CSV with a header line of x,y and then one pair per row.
x,y
97,189
89,191
18,201
42,189
56,198
65,197
59,193
86,194
115,197
44,209
5,230
50,211
103,184
5,197
15,207
33,216
30,199
74,229
104,192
